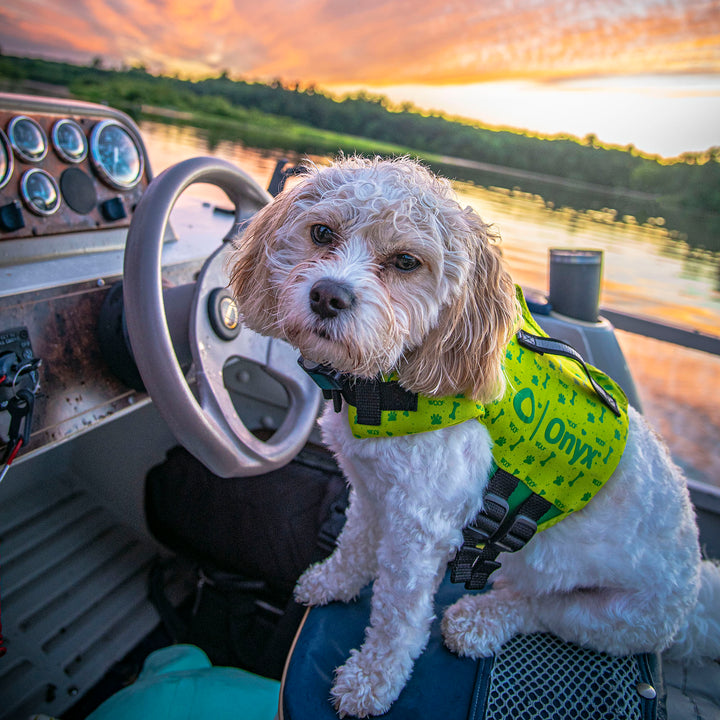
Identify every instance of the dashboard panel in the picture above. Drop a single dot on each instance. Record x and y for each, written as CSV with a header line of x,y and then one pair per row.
x,y
71,176
67,167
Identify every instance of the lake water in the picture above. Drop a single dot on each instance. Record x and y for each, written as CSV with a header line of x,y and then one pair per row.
x,y
646,272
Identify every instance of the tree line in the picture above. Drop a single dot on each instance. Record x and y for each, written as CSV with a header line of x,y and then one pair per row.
x,y
687,184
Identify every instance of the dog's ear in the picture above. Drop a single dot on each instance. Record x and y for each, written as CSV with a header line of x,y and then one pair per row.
x,y
464,352
251,264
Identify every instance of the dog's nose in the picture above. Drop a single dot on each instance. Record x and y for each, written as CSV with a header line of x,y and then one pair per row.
x,y
328,298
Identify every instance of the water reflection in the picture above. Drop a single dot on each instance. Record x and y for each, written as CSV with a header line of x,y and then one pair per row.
x,y
700,230
648,271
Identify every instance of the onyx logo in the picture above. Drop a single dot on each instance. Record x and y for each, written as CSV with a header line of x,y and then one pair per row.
x,y
555,431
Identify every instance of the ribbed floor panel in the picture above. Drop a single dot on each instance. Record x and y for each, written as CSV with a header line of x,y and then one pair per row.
x,y
74,597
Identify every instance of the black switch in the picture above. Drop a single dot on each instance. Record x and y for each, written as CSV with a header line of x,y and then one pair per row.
x,y
113,209
11,217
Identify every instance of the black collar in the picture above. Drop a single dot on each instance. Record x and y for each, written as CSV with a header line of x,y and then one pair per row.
x,y
369,396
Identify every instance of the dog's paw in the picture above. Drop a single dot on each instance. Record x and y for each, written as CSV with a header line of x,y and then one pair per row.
x,y
477,627
319,585
363,688
311,588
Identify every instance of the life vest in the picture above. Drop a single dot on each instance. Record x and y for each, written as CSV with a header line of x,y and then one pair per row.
x,y
557,433
550,429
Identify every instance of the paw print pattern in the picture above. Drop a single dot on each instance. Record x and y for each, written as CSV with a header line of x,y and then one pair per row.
x,y
436,419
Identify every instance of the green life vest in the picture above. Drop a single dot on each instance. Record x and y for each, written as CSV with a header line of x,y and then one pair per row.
x,y
550,429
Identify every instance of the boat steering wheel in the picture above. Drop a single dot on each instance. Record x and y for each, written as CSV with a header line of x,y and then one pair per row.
x,y
206,422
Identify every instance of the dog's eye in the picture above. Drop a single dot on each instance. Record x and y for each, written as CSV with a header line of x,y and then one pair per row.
x,y
406,262
321,234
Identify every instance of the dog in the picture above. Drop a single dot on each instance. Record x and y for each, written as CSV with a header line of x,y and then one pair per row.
x,y
372,268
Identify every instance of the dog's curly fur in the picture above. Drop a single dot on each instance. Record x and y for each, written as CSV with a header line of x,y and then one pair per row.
x,y
423,293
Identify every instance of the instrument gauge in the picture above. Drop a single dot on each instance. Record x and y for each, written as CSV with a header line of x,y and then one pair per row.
x,y
27,138
40,192
115,154
6,159
69,141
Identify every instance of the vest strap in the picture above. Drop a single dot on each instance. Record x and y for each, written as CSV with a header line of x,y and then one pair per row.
x,y
371,397
497,528
368,396
558,347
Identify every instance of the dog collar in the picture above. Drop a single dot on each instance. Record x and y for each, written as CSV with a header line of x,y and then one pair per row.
x,y
368,398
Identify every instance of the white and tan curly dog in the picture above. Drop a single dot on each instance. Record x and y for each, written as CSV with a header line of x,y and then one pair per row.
x,y
372,267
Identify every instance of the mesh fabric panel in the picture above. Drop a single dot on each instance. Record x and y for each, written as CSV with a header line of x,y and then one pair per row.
x,y
567,682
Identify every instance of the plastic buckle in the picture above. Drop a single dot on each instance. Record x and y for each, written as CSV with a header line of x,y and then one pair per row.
x,y
480,572
518,534
328,380
324,376
491,517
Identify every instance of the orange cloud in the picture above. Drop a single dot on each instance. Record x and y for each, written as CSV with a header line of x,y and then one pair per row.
x,y
375,42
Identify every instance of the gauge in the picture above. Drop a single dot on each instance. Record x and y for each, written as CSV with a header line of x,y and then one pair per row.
x,y
40,192
6,159
69,141
116,155
27,138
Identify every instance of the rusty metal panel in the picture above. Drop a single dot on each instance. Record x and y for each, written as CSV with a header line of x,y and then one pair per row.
x,y
77,389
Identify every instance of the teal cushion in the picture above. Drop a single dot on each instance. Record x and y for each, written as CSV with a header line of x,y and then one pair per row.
x,y
179,682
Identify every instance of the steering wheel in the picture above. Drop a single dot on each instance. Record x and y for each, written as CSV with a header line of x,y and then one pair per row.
x,y
207,425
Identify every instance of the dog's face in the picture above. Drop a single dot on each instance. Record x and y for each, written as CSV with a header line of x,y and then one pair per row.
x,y
373,267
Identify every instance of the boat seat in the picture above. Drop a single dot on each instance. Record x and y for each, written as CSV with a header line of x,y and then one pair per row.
x,y
532,676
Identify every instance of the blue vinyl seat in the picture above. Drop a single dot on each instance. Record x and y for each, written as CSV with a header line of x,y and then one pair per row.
x,y
532,676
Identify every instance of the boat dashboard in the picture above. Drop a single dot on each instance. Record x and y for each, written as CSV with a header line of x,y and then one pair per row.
x,y
71,177
66,167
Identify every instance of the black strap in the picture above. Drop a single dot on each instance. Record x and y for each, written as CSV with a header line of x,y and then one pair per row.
x,y
369,397
473,566
497,529
553,346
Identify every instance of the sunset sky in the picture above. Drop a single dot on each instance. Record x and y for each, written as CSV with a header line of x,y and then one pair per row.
x,y
574,66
